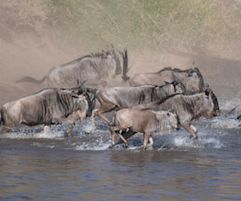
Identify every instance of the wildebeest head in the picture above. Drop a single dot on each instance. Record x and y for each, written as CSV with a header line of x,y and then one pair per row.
x,y
168,120
121,60
80,102
111,54
178,87
175,87
194,80
211,107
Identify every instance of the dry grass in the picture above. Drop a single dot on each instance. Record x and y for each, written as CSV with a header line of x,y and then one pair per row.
x,y
149,23
155,24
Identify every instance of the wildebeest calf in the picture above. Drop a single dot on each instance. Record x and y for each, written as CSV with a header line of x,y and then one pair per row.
x,y
144,121
124,97
187,108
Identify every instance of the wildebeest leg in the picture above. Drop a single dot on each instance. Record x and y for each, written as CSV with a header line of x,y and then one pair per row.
x,y
46,129
104,119
151,141
122,138
82,115
98,112
69,132
146,138
70,120
113,131
6,129
128,133
93,116
192,130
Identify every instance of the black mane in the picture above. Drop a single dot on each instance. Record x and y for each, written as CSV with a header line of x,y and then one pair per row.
x,y
188,71
103,54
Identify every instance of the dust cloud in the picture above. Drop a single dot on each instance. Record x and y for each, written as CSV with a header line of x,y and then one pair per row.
x,y
28,51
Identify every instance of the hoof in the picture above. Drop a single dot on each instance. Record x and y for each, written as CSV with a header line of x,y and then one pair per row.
x,y
111,146
68,133
194,137
143,148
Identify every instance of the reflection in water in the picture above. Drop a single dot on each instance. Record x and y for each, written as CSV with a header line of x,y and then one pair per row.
x,y
41,174
45,169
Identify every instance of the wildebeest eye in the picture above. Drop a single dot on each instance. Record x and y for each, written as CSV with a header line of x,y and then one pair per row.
x,y
74,96
168,114
189,75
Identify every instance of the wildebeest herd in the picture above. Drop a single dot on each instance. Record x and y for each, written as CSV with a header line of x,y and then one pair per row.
x,y
153,102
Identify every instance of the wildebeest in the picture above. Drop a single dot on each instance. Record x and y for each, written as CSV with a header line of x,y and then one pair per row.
x,y
123,97
49,106
191,78
144,121
239,118
187,108
93,68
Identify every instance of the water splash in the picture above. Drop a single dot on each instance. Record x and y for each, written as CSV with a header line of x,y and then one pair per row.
x,y
225,123
85,137
209,142
92,147
40,135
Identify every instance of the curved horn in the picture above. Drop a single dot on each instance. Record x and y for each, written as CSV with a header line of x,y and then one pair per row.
x,y
82,83
125,68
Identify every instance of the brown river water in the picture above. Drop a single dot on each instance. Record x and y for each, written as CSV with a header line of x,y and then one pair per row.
x,y
48,166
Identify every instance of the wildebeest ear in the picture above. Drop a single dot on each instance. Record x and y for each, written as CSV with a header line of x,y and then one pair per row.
x,y
175,83
166,82
207,92
83,84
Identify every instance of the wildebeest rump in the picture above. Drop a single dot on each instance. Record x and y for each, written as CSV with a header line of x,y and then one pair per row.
x,y
48,106
93,68
191,78
123,97
144,121
187,108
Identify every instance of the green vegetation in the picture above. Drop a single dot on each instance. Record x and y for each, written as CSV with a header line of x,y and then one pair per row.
x,y
154,23
136,23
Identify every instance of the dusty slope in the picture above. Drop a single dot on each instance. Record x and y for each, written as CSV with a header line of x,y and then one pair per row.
x,y
29,45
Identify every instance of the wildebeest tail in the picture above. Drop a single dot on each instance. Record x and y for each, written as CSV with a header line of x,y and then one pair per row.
x,y
31,79
125,65
1,116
